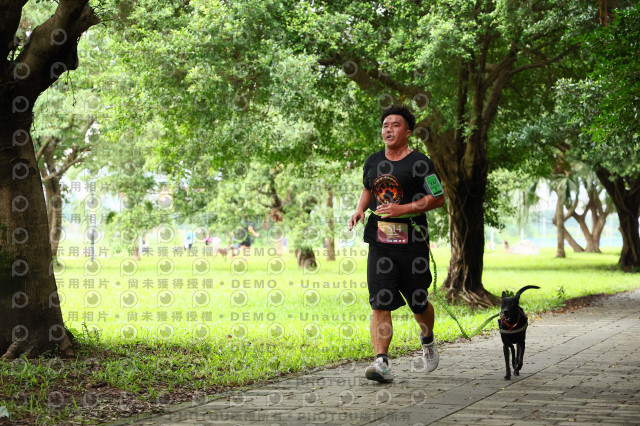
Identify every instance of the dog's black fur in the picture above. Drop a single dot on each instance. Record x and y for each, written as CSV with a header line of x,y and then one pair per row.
x,y
513,328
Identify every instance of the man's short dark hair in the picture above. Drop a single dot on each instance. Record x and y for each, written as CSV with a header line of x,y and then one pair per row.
x,y
402,110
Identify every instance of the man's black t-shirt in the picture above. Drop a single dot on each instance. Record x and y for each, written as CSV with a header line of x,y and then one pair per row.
x,y
400,182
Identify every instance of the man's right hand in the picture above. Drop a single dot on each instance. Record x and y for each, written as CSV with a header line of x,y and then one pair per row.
x,y
357,216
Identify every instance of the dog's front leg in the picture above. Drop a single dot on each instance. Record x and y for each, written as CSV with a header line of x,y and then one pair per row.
x,y
519,359
505,348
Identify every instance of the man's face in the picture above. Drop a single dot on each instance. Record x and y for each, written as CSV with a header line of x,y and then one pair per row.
x,y
395,131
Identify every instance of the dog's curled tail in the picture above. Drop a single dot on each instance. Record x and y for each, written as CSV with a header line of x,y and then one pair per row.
x,y
523,289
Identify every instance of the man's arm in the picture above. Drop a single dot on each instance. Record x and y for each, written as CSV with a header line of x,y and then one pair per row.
x,y
365,200
424,204
253,231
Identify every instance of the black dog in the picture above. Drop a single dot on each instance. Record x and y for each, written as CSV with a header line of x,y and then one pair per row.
x,y
513,328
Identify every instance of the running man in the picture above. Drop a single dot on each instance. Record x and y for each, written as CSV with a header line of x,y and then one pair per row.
x,y
400,185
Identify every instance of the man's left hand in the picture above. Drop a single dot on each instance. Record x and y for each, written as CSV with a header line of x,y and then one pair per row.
x,y
390,210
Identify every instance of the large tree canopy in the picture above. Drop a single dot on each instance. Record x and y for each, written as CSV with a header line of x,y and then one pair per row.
x,y
466,67
220,74
229,100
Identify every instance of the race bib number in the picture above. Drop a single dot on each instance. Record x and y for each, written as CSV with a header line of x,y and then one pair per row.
x,y
393,233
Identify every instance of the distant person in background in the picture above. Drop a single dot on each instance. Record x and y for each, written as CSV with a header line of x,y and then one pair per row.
x,y
242,238
207,242
187,243
145,245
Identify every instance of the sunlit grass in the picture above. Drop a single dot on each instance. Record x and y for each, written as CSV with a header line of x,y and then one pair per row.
x,y
269,301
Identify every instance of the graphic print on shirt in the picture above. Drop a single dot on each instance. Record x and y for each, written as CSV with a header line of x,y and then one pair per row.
x,y
387,189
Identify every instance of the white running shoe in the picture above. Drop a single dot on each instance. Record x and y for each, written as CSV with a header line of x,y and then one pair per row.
x,y
431,355
379,371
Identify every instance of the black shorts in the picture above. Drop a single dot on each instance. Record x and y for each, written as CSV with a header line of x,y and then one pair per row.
x,y
394,275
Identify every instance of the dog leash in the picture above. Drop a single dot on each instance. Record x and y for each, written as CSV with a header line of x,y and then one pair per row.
x,y
440,300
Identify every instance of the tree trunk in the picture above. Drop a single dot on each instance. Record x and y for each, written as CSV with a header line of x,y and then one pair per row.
x,y
466,230
135,251
573,243
598,220
558,221
331,248
625,194
306,258
630,256
330,239
598,227
53,197
460,156
31,323
51,173
276,206
592,247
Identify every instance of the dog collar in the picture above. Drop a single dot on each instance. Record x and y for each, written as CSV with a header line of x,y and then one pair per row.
x,y
509,325
512,331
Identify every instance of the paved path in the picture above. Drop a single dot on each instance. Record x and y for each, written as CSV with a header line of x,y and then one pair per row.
x,y
580,367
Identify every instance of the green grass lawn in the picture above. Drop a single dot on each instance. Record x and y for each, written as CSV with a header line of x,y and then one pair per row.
x,y
187,324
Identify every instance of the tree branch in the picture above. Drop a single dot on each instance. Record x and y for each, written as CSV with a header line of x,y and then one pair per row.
x,y
543,63
10,14
42,148
261,192
371,81
64,169
571,210
90,120
72,159
496,69
461,102
634,187
43,173
56,40
574,245
491,106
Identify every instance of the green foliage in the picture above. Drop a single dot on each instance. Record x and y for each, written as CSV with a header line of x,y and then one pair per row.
x,y
125,169
602,108
233,82
616,81
291,200
561,294
127,226
196,93
501,183
223,97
